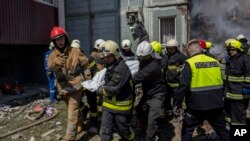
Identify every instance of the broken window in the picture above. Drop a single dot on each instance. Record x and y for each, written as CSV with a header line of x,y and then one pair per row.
x,y
167,29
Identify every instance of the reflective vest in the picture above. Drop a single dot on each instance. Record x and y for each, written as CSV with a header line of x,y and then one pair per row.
x,y
206,73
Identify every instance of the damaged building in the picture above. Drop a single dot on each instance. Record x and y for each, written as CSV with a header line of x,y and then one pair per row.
x,y
89,20
24,37
218,20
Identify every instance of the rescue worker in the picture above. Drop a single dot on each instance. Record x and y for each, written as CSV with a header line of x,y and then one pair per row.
x,y
117,95
95,61
71,68
205,45
244,43
150,108
237,87
201,76
98,48
172,74
126,52
158,49
50,75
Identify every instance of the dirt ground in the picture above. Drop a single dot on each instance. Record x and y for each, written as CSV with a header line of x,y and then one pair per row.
x,y
13,116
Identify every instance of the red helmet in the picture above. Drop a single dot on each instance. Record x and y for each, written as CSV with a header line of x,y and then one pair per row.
x,y
57,32
202,44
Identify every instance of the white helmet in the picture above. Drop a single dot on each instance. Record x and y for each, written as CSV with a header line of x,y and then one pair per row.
x,y
98,44
172,43
76,44
144,49
241,37
111,47
126,44
51,45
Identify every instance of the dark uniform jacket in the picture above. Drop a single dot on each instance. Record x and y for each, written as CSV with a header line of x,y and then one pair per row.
x,y
246,48
173,71
151,77
237,76
128,55
205,100
117,87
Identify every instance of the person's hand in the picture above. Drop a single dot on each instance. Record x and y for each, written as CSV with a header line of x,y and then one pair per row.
x,y
60,60
175,110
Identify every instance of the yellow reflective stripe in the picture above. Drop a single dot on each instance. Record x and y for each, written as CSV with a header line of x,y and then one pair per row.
x,y
237,96
119,103
123,103
225,77
104,92
116,107
173,85
235,78
131,84
238,123
91,64
247,79
172,67
228,119
113,99
93,114
197,89
131,136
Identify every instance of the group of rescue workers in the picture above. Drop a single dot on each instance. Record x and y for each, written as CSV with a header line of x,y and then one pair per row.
x,y
164,73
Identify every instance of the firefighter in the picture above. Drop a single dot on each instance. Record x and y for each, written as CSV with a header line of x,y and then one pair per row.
x,y
150,108
71,68
51,76
117,95
98,48
96,61
126,52
244,43
202,77
237,83
172,74
205,45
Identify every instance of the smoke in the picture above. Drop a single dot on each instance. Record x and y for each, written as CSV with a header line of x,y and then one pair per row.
x,y
218,20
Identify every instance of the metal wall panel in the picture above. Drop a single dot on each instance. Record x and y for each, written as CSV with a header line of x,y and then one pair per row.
x,y
104,27
76,6
77,28
98,5
26,22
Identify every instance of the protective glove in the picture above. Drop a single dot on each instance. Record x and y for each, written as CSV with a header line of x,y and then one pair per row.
x,y
246,91
60,60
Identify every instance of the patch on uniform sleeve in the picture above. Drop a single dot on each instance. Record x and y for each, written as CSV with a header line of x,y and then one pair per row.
x,y
116,78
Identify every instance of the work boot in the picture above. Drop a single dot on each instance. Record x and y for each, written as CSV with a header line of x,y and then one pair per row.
x,y
93,126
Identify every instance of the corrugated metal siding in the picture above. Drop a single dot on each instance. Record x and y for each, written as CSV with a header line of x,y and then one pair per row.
x,y
98,5
26,22
77,28
104,27
76,6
